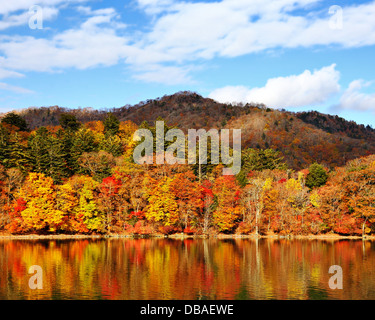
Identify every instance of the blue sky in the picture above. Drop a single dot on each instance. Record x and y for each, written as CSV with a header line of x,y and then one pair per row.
x,y
291,54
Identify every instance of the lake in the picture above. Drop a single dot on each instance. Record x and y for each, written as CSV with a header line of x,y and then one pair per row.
x,y
187,269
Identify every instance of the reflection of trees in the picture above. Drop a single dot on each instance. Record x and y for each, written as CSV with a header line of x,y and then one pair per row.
x,y
186,269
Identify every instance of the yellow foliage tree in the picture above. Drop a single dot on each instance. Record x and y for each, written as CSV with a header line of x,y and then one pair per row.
x,y
87,215
162,206
41,203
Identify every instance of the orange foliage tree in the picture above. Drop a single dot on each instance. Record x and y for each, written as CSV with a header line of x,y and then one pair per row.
x,y
227,192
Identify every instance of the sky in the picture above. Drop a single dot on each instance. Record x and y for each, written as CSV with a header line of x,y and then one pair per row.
x,y
297,55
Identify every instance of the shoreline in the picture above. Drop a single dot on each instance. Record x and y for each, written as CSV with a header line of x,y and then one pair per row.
x,y
179,236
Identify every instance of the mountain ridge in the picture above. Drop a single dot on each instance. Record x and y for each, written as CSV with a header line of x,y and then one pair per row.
x,y
301,137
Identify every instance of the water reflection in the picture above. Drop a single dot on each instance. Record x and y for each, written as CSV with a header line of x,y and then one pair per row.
x,y
187,269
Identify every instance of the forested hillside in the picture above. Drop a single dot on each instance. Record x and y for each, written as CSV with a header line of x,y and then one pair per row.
x,y
76,173
336,124
302,138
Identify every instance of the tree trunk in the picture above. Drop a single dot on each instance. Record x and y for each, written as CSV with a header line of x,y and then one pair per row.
x,y
363,227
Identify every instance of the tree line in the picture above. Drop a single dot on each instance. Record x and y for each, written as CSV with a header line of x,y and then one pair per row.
x,y
80,178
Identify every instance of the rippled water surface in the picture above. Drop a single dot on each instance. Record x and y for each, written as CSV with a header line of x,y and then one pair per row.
x,y
186,269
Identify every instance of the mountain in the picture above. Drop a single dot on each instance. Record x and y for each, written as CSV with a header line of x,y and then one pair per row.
x,y
302,138
185,109
336,124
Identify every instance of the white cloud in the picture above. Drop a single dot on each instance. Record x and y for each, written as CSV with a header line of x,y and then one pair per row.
x,y
155,6
9,74
180,34
23,18
14,20
169,75
95,43
8,87
307,88
354,99
16,12
9,6
230,28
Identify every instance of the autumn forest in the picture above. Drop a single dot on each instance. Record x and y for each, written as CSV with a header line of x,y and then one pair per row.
x,y
72,172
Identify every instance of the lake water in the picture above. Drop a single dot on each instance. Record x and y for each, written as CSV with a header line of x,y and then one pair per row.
x,y
186,269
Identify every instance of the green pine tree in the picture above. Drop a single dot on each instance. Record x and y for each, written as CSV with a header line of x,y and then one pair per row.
x,y
15,120
4,146
69,122
112,144
82,141
317,176
17,154
47,155
259,160
111,124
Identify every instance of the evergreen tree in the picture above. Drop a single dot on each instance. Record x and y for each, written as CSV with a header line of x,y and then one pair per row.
x,y
82,141
38,150
58,168
317,176
111,124
69,122
17,154
259,160
66,138
111,144
4,146
15,120
262,159
47,155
